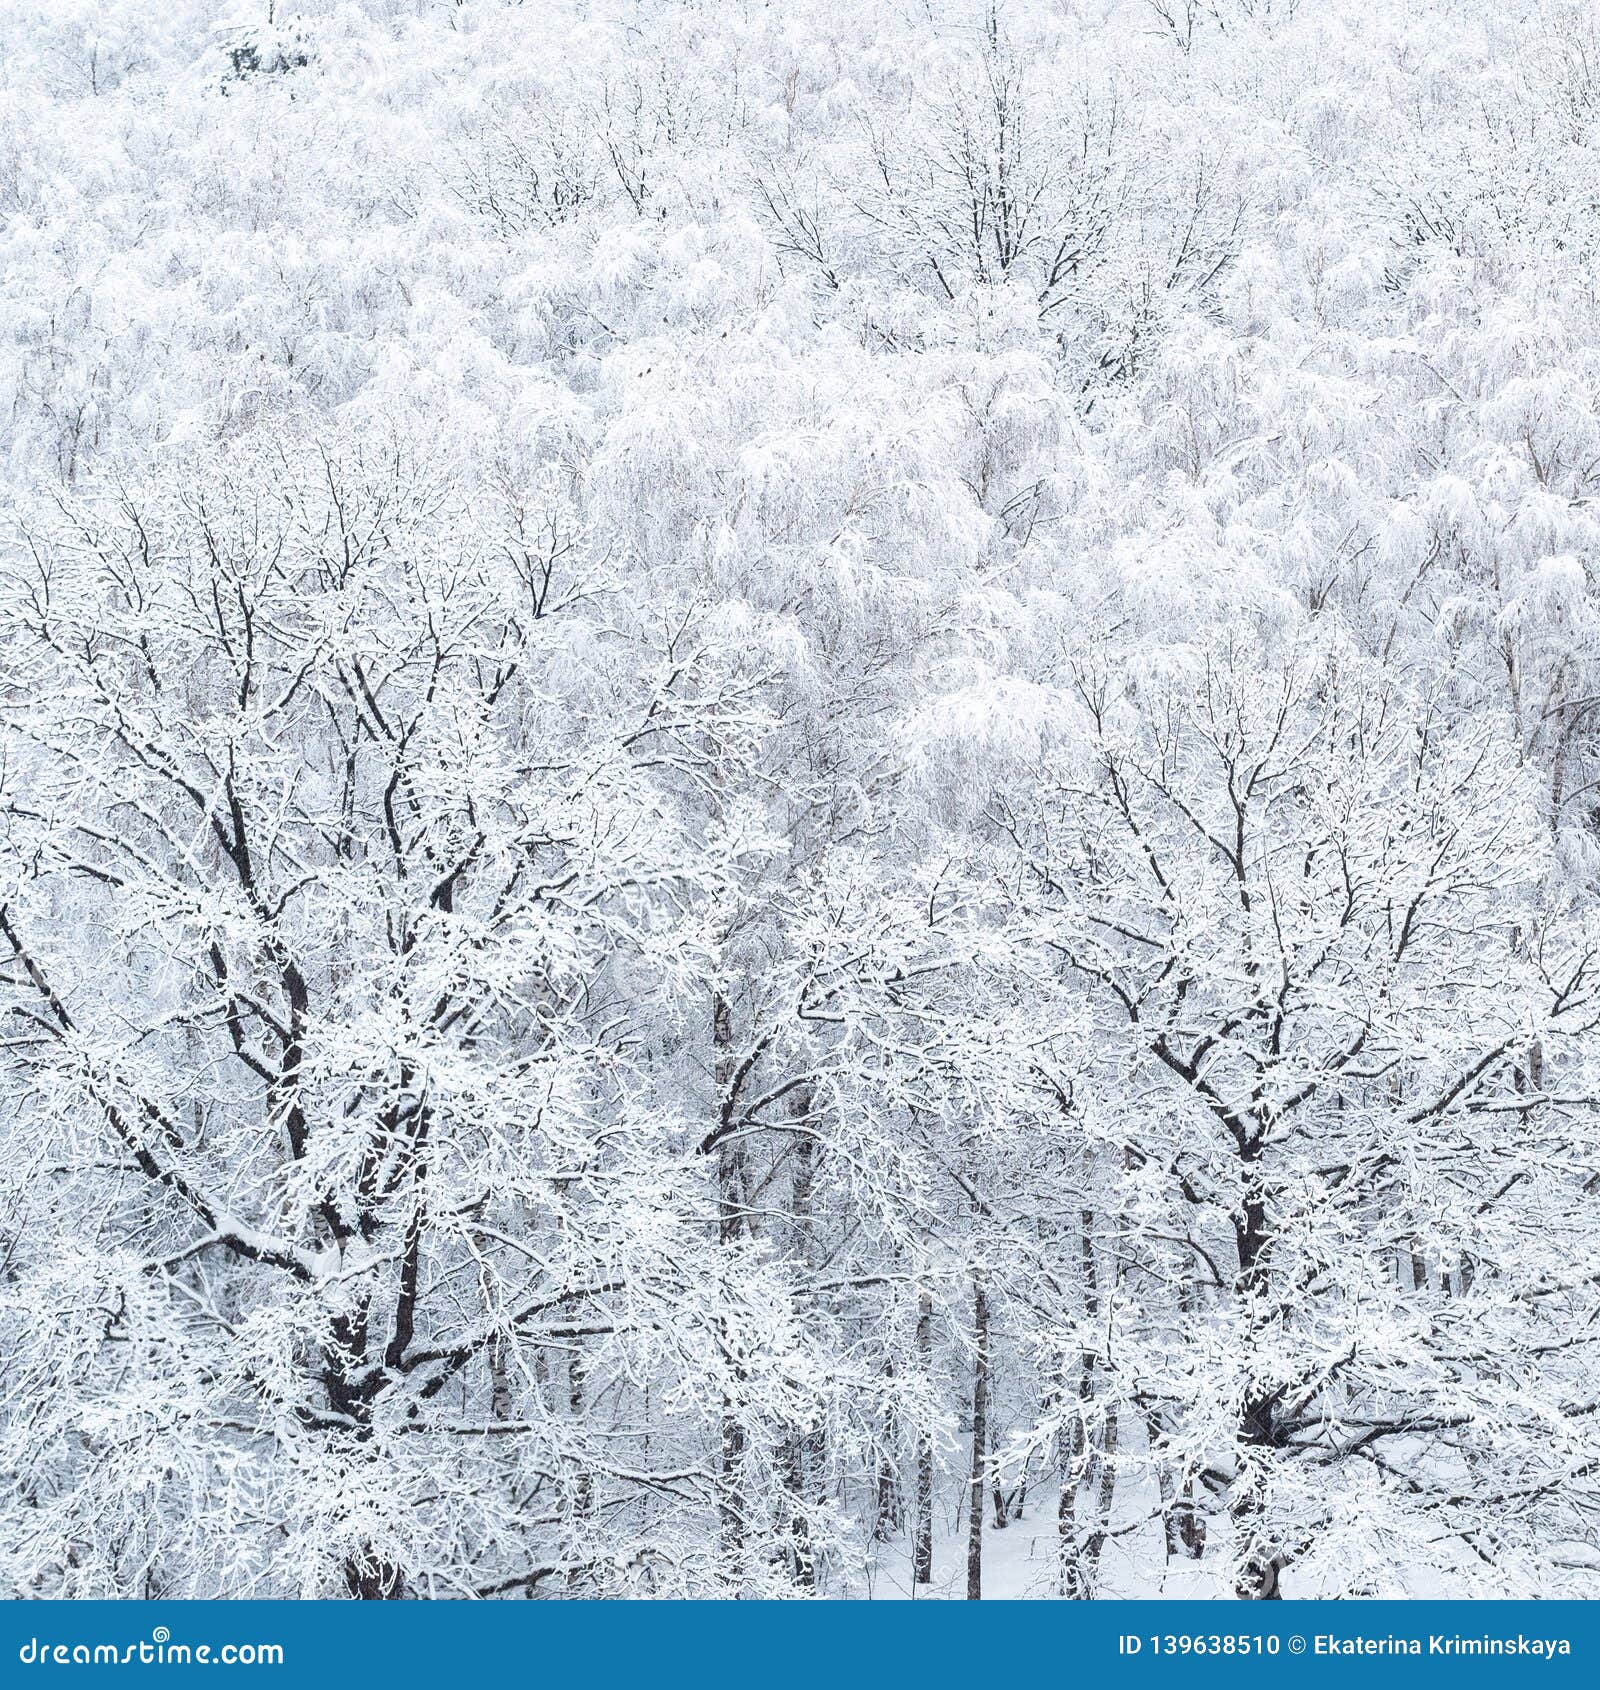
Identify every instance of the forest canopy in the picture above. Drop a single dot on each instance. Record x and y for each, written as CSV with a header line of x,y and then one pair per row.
x,y
799,800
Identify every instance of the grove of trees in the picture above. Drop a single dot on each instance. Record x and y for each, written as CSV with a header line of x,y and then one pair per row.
x,y
799,800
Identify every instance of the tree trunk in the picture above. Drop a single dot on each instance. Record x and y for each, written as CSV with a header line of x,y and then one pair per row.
x,y
583,1485
1182,1519
980,1435
802,1558
1072,1449
1002,1503
1069,1459
1258,1562
368,1578
889,1515
802,1551
349,1385
499,1380
730,1228
922,1552
1171,1536
1191,1520
1106,1464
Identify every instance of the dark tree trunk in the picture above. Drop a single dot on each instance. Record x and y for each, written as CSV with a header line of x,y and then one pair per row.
x,y
350,1387
802,1557
802,1551
371,1579
889,1516
1191,1521
1106,1464
1069,1455
730,1512
980,1435
1260,1563
583,1485
1171,1540
1073,1446
730,1228
1002,1503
